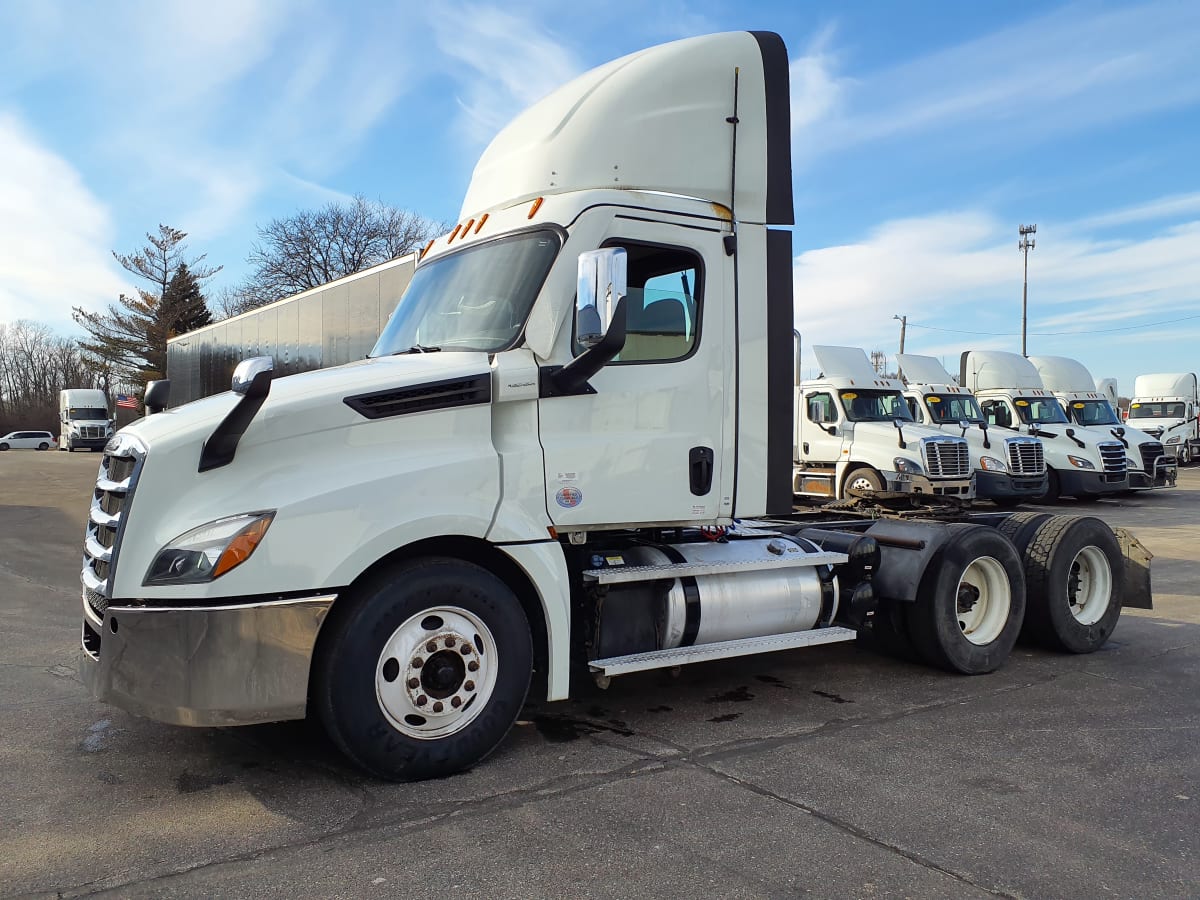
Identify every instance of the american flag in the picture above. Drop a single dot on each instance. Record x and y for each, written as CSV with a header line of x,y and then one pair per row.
x,y
126,402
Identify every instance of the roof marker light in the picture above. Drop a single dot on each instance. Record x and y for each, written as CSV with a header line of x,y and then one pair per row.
x,y
482,219
454,233
426,250
467,227
537,204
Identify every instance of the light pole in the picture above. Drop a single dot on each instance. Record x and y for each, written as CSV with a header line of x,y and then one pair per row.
x,y
1026,244
903,320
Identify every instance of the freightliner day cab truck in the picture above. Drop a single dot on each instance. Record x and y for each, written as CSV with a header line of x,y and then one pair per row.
x,y
854,434
1167,407
1085,404
570,447
1008,468
1011,395
84,418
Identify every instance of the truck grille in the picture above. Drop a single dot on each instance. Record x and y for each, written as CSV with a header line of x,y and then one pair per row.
x,y
1026,456
1155,432
1151,452
1112,454
106,519
91,431
946,457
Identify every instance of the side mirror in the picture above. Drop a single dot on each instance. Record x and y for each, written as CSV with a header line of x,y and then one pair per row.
x,y
602,283
249,369
1070,432
158,393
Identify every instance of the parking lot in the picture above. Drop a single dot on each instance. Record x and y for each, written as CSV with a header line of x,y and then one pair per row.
x,y
828,771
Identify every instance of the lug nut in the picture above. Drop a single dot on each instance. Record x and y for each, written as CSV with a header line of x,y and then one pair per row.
x,y
431,646
422,700
450,642
418,662
470,685
414,683
466,649
473,666
456,702
437,707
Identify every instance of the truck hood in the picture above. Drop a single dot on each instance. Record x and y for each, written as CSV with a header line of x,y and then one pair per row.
x,y
881,432
306,403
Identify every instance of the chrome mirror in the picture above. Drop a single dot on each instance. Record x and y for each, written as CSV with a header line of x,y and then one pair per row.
x,y
247,369
602,284
158,393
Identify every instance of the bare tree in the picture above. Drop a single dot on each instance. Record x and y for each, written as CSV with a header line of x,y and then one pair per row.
x,y
315,247
35,364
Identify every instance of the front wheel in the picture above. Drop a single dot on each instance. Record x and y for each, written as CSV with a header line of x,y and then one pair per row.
x,y
970,603
3,447
425,670
863,481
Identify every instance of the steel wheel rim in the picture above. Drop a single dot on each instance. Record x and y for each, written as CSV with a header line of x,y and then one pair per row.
x,y
1089,585
861,483
436,673
984,600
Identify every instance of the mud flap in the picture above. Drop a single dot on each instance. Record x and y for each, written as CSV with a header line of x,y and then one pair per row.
x,y
1137,570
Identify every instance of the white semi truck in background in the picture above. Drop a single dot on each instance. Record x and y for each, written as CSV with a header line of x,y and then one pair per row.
x,y
1167,407
1012,397
84,418
571,448
854,434
1008,468
1086,404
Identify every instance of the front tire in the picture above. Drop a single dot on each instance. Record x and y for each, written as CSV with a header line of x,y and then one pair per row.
x,y
3,447
970,603
424,670
861,481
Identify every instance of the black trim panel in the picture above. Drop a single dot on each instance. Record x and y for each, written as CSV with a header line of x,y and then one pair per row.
x,y
779,127
781,428
448,393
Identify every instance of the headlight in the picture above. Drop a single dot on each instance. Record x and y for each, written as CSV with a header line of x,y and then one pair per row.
x,y
907,466
991,464
1080,463
1173,440
208,552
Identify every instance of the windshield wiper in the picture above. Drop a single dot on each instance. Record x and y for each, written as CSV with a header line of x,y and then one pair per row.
x,y
417,348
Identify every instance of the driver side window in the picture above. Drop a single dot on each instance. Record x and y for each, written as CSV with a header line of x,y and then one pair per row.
x,y
997,413
820,408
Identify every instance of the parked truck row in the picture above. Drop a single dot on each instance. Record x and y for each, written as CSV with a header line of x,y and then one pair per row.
x,y
572,452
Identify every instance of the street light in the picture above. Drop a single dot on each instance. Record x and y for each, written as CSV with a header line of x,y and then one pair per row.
x,y
1025,246
903,320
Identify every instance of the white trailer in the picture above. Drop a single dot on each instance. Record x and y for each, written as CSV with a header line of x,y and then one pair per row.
x,y
1167,407
1012,397
84,418
570,447
1086,404
1008,468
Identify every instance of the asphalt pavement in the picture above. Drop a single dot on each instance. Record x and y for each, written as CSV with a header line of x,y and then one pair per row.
x,y
825,772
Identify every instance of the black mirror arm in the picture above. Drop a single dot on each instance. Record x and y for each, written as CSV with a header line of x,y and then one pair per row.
x,y
574,376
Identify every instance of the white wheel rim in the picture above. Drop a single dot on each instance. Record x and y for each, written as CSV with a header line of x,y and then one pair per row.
x,y
1089,585
984,600
861,484
436,672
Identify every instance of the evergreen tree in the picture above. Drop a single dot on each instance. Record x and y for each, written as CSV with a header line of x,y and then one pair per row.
x,y
130,336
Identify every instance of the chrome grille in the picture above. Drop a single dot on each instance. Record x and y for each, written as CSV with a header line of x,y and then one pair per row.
x,y
1112,454
1026,456
946,457
91,431
1151,452
110,502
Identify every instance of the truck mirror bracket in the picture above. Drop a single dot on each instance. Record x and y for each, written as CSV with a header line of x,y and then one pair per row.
x,y
222,444
572,379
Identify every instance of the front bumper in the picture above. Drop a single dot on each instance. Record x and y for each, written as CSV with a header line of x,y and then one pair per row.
x,y
944,487
1166,473
88,443
243,662
1090,484
992,485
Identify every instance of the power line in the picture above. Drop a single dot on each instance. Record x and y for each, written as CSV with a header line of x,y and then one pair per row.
x,y
1055,333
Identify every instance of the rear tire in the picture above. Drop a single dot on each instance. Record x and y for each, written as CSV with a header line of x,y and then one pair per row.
x,y
43,446
970,603
424,669
1075,575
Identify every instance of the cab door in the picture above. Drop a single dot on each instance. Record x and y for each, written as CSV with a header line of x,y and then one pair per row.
x,y
653,443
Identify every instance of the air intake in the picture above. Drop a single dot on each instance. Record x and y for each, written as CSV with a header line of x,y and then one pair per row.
x,y
423,397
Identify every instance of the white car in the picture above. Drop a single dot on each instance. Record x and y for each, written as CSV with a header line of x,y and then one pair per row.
x,y
27,440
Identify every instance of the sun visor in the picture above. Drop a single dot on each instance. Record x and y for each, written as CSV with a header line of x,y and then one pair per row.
x,y
657,120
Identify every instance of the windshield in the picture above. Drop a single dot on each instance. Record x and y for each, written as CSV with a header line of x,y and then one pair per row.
x,y
874,406
477,299
1156,411
1040,411
86,413
953,409
1093,412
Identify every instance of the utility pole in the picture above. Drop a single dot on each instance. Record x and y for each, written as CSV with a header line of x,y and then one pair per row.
x,y
903,320
1026,244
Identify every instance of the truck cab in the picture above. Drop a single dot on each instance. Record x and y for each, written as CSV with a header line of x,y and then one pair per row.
x,y
1008,468
855,434
1086,405
1013,400
1167,407
84,418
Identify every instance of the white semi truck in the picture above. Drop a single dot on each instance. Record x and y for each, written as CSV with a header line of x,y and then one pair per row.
x,y
854,434
1012,397
570,448
86,423
1008,468
1086,404
1167,407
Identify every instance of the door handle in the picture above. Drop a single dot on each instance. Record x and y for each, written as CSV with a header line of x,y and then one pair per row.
x,y
700,470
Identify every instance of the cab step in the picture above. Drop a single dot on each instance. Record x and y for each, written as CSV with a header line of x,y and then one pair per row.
x,y
682,656
625,574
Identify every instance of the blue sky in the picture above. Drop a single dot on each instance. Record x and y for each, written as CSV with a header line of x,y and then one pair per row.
x,y
923,134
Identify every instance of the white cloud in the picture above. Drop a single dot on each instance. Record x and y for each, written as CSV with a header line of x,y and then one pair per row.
x,y
816,88
54,234
1163,208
